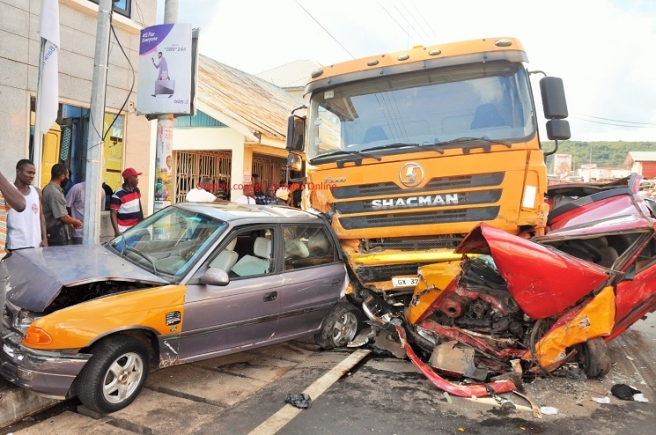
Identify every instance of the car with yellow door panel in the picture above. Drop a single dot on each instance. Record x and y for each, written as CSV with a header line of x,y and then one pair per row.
x,y
191,282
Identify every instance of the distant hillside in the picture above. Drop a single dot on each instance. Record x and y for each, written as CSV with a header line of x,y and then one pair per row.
x,y
603,154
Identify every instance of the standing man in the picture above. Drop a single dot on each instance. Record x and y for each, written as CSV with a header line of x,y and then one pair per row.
x,y
54,207
10,198
126,203
26,229
259,193
248,197
203,192
270,198
75,205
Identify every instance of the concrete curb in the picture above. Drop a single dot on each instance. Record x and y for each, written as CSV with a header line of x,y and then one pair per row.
x,y
17,403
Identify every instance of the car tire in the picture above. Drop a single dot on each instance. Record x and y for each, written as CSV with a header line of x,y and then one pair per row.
x,y
114,375
339,327
595,358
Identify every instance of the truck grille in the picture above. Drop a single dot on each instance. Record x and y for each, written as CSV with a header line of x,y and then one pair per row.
x,y
385,273
437,183
466,198
422,218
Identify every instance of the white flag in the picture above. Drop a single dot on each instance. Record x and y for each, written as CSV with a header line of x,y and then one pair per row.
x,y
48,88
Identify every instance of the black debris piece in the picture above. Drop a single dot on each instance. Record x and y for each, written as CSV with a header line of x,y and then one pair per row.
x,y
299,400
624,392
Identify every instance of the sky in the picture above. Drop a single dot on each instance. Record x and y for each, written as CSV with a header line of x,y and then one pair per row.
x,y
604,50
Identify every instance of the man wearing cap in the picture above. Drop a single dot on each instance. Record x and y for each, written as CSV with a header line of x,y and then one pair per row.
x,y
126,203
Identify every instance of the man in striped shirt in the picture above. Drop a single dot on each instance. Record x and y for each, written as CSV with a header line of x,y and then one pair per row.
x,y
126,203
10,197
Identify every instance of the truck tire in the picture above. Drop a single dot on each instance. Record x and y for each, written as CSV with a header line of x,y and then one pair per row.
x,y
114,375
339,327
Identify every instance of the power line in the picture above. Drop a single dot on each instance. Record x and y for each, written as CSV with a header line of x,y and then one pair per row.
x,y
394,19
617,123
423,18
615,120
406,20
424,35
325,30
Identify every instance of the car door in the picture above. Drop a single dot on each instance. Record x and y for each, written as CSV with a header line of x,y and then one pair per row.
x,y
313,278
223,319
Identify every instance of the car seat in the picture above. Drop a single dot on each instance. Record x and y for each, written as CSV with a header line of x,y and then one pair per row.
x,y
226,258
255,264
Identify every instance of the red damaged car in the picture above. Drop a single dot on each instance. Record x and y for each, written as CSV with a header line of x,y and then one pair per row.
x,y
516,306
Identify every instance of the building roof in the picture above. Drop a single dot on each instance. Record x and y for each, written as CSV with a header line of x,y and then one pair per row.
x,y
640,156
291,75
243,101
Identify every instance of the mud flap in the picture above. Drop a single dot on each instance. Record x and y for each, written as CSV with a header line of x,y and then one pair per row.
x,y
479,390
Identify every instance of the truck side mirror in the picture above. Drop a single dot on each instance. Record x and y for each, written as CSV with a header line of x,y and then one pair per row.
x,y
295,134
553,98
558,129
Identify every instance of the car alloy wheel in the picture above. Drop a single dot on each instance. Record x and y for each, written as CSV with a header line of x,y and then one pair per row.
x,y
114,375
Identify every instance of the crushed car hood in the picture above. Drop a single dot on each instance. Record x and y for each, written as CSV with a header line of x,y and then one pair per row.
x,y
36,276
543,281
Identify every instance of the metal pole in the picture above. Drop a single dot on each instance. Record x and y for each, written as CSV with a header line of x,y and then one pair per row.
x,y
164,147
37,144
95,145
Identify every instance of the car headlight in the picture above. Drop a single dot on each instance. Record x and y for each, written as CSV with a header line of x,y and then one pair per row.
x,y
23,320
36,336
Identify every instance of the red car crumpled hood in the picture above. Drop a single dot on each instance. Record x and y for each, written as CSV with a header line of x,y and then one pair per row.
x,y
543,281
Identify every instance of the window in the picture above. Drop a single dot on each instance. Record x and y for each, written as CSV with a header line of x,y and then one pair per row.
x,y
255,252
121,6
307,246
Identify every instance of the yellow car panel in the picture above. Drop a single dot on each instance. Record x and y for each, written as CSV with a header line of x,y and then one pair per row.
x,y
70,328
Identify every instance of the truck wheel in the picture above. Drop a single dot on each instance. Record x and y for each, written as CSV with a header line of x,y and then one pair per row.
x,y
114,375
594,358
340,326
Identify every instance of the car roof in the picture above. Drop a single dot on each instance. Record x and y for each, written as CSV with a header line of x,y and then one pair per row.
x,y
232,212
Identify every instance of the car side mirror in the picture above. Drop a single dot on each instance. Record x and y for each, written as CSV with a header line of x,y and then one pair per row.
x,y
213,276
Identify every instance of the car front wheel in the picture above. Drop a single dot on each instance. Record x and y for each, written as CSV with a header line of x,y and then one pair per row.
x,y
340,326
114,375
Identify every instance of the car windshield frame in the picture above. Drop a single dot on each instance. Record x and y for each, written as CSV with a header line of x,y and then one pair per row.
x,y
169,242
490,101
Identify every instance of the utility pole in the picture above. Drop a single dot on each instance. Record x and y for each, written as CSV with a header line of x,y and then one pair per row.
x,y
95,144
165,121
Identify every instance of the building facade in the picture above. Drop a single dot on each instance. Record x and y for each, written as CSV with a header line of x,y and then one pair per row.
x,y
126,135
239,130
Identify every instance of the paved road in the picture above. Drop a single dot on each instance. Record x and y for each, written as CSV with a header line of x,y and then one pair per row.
x,y
244,394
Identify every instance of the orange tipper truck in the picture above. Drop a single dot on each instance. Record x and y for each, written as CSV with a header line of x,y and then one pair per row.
x,y
407,152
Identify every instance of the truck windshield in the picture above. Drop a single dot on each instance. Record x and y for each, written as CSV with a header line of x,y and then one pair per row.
x,y
489,101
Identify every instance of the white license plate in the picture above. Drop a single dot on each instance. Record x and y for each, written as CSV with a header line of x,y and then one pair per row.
x,y
405,281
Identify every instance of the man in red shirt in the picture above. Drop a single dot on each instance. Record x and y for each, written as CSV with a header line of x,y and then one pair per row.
x,y
126,203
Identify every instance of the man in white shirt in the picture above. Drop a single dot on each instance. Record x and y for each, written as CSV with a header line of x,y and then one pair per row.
x,y
26,229
203,192
248,197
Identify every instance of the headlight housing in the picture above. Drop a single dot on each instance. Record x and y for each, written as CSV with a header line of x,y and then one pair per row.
x,y
23,320
36,336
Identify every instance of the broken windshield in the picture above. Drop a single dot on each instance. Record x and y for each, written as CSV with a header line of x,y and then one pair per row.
x,y
489,101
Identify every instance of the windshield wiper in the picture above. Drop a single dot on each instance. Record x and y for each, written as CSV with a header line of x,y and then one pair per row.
x,y
344,153
486,143
429,145
141,254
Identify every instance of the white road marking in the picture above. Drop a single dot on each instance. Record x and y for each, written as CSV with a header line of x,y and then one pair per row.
x,y
278,420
